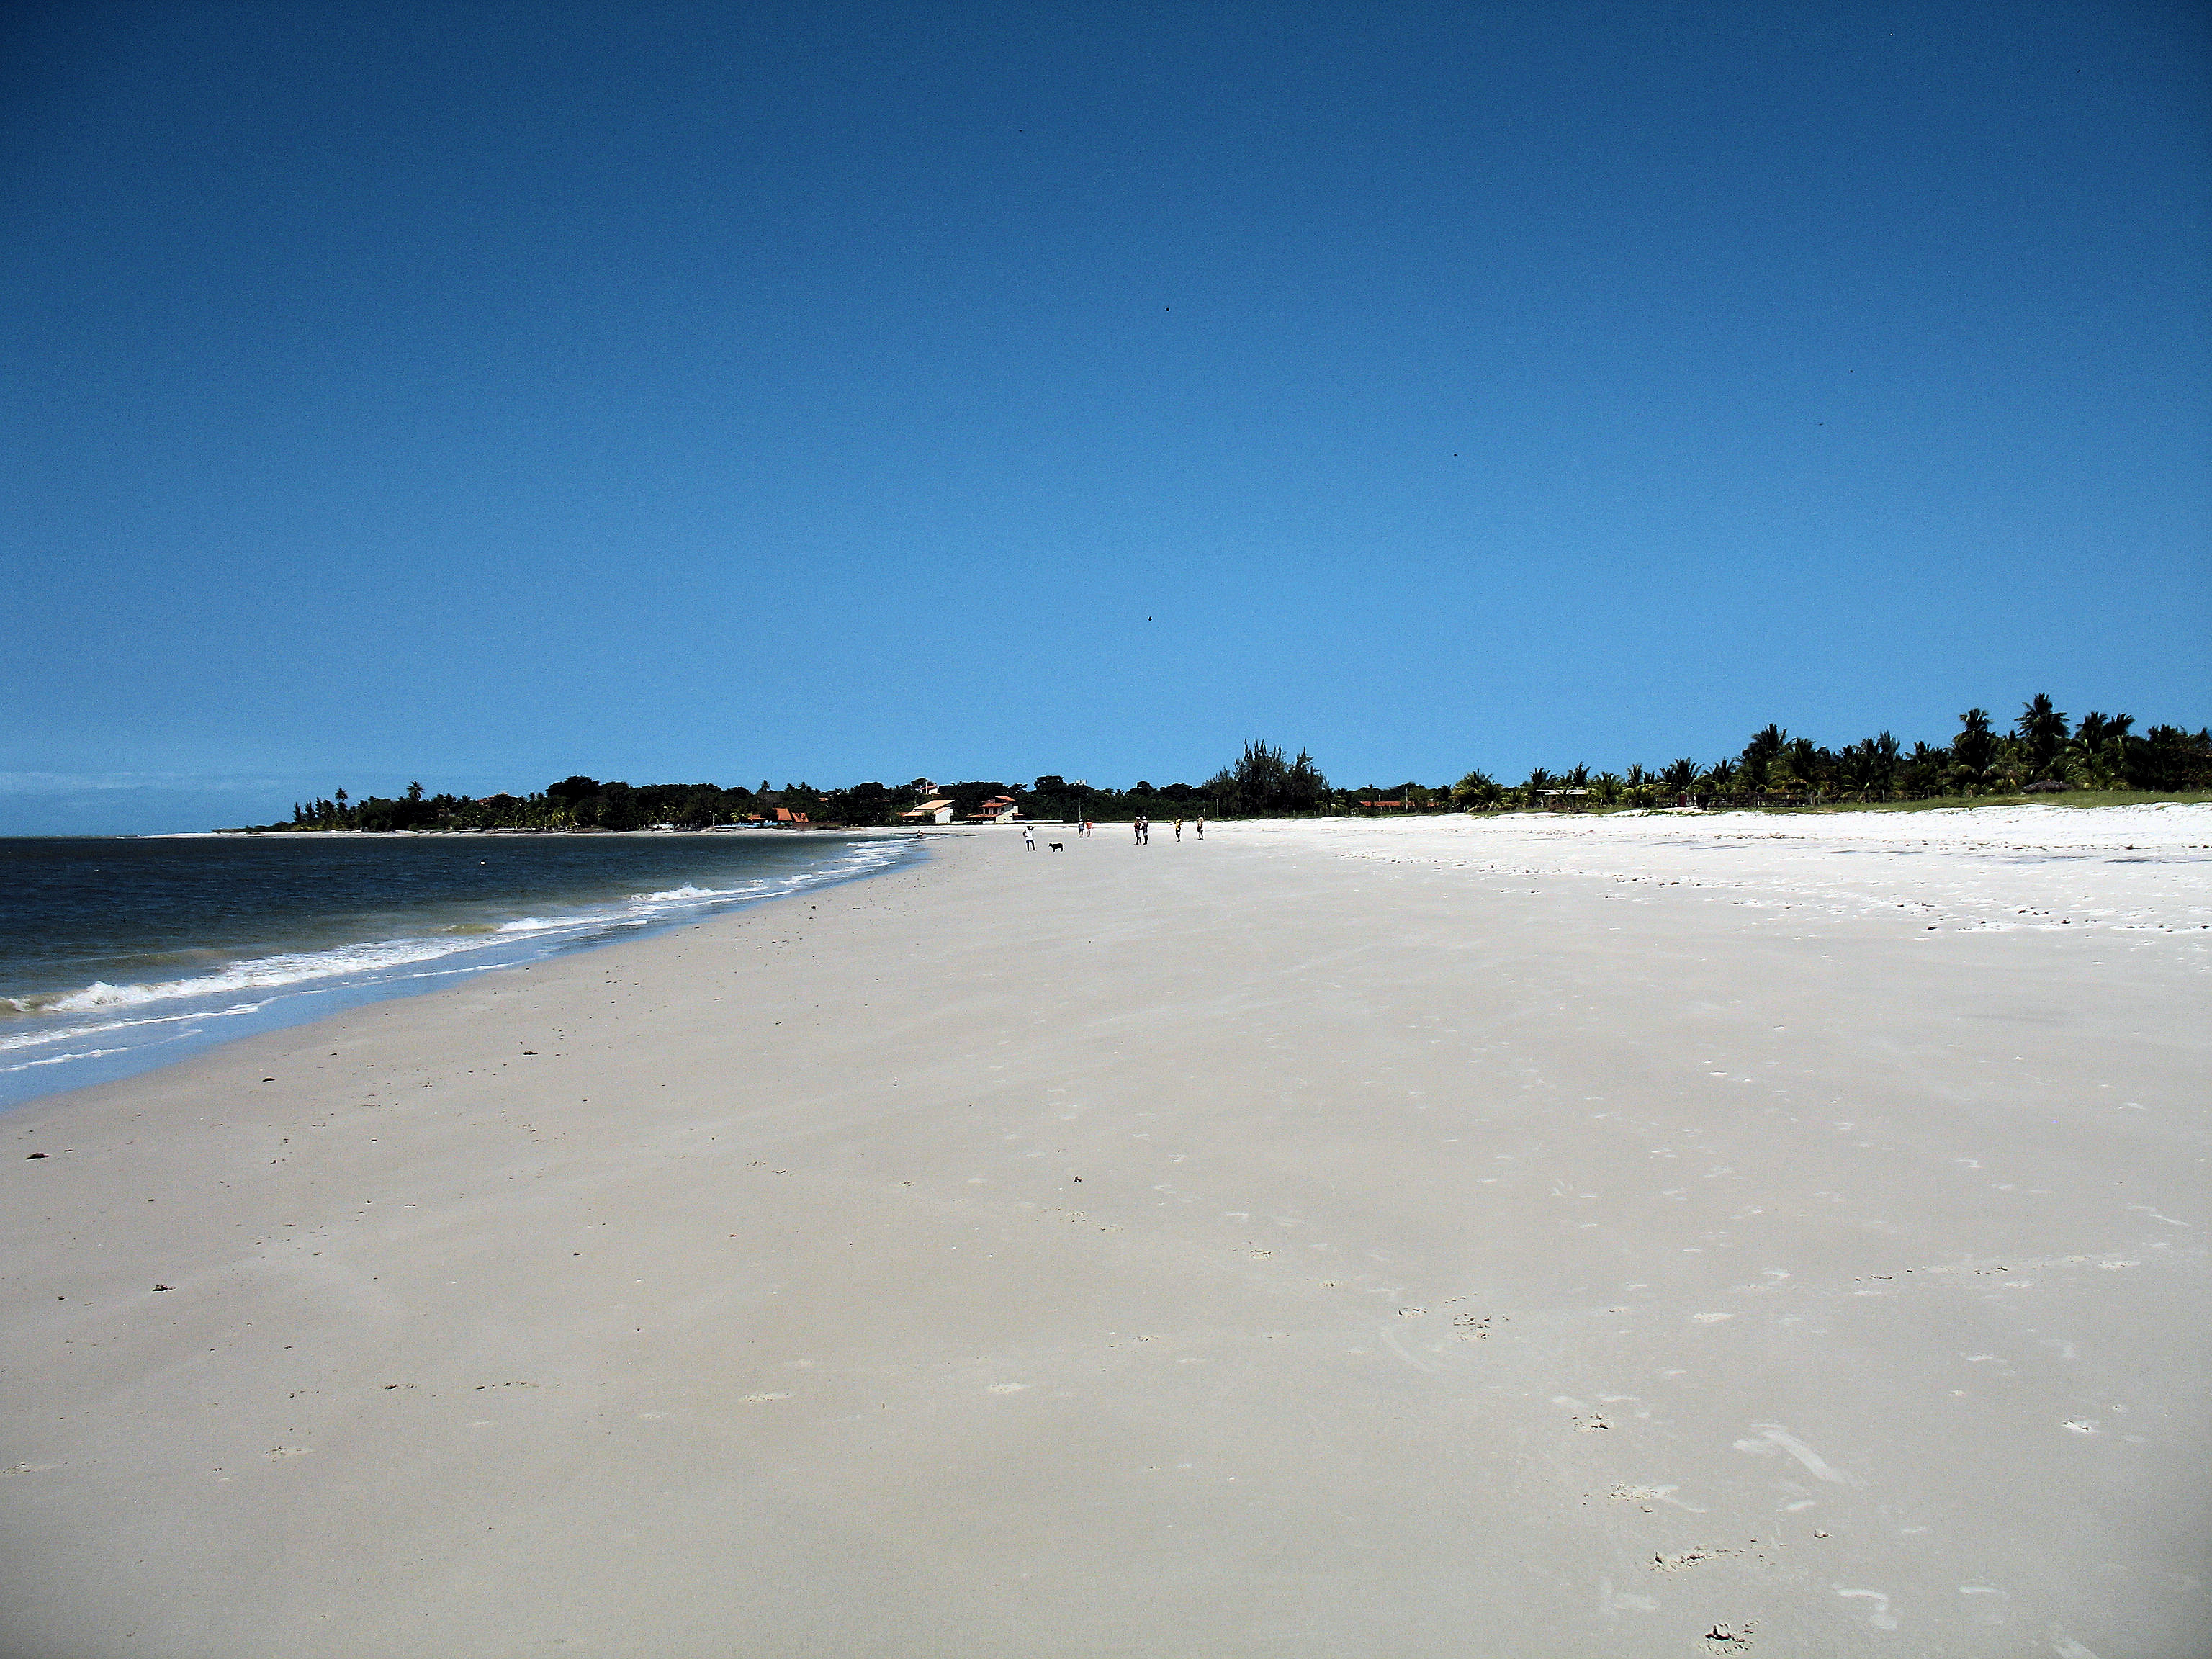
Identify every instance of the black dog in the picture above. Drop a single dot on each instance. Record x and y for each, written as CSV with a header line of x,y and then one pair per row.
x,y
1054,845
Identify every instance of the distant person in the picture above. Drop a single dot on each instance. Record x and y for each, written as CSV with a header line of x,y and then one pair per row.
x,y
1201,826
1178,828
1028,838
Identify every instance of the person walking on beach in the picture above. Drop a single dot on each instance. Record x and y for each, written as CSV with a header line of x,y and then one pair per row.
x,y
1201,826
1178,828
1028,838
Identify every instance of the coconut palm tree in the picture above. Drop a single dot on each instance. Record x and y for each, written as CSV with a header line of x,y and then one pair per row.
x,y
1922,772
1799,766
1608,788
1972,750
2097,757
1476,790
2042,728
1867,766
1681,776
1885,749
1759,755
1720,777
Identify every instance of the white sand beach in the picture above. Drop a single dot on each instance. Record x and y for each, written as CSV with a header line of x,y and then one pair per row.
x,y
1668,1235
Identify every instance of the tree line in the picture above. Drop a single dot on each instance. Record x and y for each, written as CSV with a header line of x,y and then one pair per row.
x,y
584,803
1262,782
2045,752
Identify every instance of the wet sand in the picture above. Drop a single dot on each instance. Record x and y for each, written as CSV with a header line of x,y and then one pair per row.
x,y
1431,1238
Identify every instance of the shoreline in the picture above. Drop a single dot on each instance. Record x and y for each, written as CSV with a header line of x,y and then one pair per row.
x,y
1323,1237
82,1034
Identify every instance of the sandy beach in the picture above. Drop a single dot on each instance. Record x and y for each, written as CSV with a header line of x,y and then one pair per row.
x,y
1646,1236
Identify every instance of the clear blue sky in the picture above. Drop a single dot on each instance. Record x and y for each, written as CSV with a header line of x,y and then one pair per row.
x,y
481,394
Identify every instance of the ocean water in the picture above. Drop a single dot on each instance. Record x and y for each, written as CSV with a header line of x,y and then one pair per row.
x,y
120,954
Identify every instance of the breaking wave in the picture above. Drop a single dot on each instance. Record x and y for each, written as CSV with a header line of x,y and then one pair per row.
x,y
49,1028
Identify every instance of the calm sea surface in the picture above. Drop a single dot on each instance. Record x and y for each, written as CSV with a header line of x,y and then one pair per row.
x,y
117,955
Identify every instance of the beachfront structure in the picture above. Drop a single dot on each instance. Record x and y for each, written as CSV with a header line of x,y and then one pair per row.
x,y
784,815
930,811
999,809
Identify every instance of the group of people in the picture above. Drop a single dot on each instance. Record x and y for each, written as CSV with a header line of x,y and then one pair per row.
x,y
1140,828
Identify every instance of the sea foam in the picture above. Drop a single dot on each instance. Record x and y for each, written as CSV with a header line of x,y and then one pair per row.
x,y
157,1012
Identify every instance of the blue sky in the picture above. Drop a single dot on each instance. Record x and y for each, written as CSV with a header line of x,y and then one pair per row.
x,y
481,394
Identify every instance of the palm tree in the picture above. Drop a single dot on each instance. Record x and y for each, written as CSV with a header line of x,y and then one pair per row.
x,y
1869,766
2013,768
1886,748
1720,777
1475,790
1922,772
1681,776
1860,765
1759,754
1799,763
1608,788
2098,753
2043,729
1971,750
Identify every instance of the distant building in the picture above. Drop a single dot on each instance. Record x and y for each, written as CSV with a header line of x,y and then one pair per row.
x,y
999,809
930,811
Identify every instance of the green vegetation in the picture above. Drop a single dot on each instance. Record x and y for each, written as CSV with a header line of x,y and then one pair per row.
x,y
582,803
2099,761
